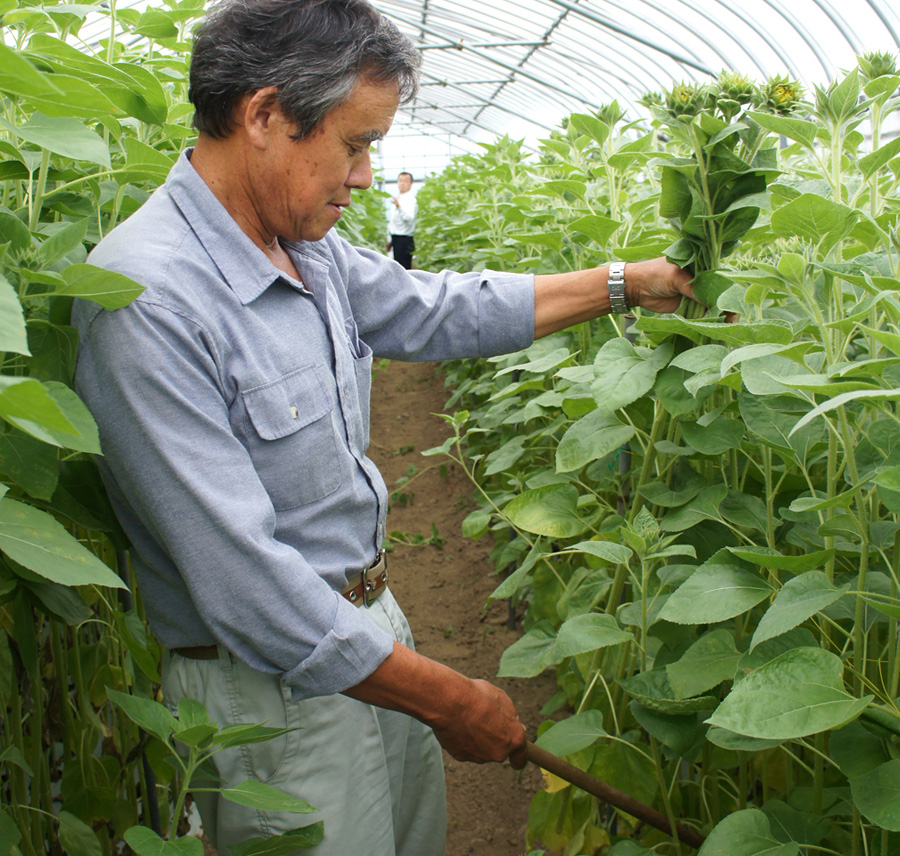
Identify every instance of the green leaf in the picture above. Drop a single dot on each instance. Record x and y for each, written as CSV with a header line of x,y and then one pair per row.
x,y
39,542
573,734
76,837
622,373
716,438
20,77
156,24
27,402
653,690
845,398
148,714
705,506
145,842
610,551
737,333
12,321
13,755
266,798
63,242
797,694
877,795
110,289
83,438
871,163
798,130
713,658
64,136
799,599
281,845
767,557
10,835
745,833
588,632
590,125
595,435
598,229
715,592
815,218
550,510
531,654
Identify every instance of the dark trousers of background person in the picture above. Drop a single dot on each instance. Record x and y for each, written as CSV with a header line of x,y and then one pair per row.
x,y
404,247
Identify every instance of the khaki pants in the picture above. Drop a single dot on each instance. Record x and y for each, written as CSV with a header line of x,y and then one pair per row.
x,y
375,775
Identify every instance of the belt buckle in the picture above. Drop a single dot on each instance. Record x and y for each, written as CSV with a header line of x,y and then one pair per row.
x,y
368,586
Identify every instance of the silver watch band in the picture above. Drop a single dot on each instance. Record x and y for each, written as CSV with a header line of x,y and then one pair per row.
x,y
618,302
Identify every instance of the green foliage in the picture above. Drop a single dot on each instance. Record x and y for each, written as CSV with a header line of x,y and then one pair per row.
x,y
743,642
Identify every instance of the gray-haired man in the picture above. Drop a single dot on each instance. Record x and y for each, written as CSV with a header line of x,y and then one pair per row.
x,y
232,399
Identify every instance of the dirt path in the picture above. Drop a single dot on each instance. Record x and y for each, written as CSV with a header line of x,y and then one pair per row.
x,y
443,591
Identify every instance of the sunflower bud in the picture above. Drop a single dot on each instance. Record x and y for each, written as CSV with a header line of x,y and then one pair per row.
x,y
688,99
873,65
779,95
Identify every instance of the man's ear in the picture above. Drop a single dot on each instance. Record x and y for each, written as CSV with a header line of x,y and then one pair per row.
x,y
260,115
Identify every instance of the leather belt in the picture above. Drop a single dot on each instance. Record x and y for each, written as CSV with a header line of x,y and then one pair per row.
x,y
363,590
372,582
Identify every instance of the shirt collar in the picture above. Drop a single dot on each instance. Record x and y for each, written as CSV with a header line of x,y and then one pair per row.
x,y
243,265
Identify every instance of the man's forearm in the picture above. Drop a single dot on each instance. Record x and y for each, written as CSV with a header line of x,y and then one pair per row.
x,y
564,299
472,719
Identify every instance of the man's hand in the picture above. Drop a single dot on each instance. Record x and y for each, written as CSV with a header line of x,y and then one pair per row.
x,y
657,285
472,719
485,727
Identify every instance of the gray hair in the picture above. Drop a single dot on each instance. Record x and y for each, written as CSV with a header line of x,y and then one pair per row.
x,y
313,51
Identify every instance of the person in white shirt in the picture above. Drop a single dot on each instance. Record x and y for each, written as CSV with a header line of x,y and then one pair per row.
x,y
403,221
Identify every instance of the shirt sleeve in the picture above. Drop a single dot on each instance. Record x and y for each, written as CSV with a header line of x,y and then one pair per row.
x,y
151,377
418,315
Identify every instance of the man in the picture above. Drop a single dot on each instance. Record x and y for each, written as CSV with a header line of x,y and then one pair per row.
x,y
402,224
232,398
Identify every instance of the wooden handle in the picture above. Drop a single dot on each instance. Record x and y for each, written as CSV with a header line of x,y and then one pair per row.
x,y
607,793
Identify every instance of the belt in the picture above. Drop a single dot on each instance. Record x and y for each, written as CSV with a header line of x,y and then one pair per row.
x,y
372,582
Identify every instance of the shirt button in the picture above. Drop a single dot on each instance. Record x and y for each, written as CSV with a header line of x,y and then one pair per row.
x,y
294,412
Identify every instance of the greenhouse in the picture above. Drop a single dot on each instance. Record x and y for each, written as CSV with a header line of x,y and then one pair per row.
x,y
639,496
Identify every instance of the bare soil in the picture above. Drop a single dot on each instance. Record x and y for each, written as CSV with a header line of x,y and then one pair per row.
x,y
443,590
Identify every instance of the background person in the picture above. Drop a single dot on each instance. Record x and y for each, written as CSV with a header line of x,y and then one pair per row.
x,y
232,400
402,223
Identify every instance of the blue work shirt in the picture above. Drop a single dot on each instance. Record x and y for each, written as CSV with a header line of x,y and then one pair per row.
x,y
233,407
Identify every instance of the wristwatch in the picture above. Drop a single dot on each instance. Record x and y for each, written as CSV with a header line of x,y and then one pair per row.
x,y
616,284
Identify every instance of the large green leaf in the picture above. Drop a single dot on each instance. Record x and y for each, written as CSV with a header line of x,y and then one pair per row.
x,y
531,654
588,632
799,599
110,289
76,837
64,136
595,435
623,373
704,506
877,795
871,163
574,733
845,398
715,592
38,541
12,320
266,798
20,77
550,510
797,694
716,438
800,130
145,842
148,714
745,833
815,218
713,658
738,333
83,435
281,845
26,400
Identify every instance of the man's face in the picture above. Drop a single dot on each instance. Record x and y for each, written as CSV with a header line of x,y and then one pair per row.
x,y
404,182
303,185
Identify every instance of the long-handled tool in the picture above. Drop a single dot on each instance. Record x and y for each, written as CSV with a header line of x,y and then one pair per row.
x,y
607,793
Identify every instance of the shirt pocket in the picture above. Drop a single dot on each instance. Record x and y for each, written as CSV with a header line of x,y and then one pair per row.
x,y
293,444
362,366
